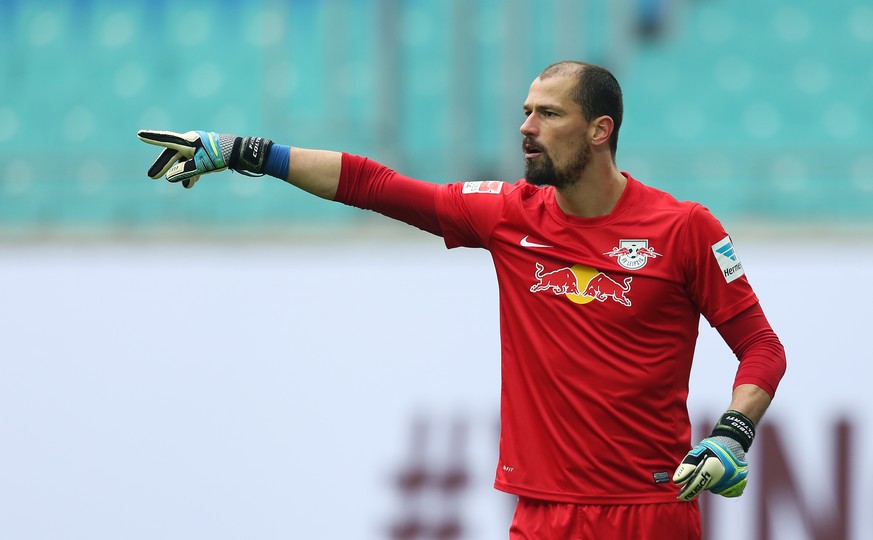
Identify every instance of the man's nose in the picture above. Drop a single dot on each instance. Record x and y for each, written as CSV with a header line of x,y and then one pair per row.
x,y
528,127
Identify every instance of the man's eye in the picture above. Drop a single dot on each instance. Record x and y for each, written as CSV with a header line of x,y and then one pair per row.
x,y
548,114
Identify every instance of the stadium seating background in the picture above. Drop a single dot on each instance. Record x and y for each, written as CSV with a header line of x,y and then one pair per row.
x,y
761,110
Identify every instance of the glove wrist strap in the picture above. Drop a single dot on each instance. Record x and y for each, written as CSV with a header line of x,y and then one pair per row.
x,y
737,426
249,154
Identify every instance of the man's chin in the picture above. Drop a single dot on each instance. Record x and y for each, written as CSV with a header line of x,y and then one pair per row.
x,y
537,178
540,180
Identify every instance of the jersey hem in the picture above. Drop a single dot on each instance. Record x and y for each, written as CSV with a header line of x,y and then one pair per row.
x,y
576,498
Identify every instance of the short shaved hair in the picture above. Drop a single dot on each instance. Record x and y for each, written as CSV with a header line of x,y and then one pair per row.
x,y
597,92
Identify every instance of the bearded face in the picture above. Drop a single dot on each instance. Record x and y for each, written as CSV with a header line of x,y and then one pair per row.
x,y
541,170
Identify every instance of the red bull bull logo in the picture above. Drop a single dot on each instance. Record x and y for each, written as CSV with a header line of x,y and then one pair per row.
x,y
601,287
560,281
566,282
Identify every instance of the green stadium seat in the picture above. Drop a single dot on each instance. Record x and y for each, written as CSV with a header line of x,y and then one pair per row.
x,y
764,109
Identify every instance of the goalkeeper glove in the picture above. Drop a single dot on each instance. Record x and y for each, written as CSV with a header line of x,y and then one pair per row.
x,y
188,155
718,463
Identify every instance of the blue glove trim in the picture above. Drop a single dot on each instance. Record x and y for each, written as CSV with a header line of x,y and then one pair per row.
x,y
209,157
277,162
735,470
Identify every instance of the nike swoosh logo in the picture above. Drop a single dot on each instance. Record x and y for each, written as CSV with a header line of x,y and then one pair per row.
x,y
527,243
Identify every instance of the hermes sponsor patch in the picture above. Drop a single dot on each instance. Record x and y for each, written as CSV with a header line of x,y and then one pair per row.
x,y
727,259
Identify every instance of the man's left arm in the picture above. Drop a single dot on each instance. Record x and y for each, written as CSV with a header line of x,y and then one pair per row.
x,y
718,463
751,401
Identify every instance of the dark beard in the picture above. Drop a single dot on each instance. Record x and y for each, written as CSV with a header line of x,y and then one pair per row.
x,y
542,172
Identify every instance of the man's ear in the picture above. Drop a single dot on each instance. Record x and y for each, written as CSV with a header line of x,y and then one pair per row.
x,y
600,130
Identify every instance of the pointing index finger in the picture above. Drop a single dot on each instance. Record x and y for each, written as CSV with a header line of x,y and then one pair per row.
x,y
184,143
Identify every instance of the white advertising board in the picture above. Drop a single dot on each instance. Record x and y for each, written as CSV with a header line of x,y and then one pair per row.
x,y
351,391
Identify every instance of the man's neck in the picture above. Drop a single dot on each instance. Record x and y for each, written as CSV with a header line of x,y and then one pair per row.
x,y
595,194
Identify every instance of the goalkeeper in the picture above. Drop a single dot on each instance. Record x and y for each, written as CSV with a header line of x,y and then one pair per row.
x,y
602,282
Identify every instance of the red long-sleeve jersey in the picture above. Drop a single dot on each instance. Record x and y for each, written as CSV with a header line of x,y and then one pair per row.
x,y
598,324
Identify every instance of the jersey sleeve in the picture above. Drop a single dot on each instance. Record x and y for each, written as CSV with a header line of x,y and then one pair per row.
x,y
463,213
714,273
757,347
366,184
468,211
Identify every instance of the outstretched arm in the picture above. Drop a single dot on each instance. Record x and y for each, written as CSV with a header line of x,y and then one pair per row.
x,y
187,156
327,174
315,171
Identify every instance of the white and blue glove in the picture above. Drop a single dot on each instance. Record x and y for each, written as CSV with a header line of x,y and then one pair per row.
x,y
188,155
718,462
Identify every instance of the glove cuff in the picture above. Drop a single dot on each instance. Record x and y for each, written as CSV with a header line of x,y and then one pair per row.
x,y
249,154
737,426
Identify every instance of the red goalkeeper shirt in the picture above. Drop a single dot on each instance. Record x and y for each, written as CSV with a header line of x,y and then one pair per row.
x,y
598,323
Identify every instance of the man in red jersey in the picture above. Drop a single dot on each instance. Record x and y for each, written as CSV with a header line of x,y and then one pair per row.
x,y
602,283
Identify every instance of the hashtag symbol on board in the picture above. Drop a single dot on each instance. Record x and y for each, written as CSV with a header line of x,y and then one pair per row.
x,y
432,483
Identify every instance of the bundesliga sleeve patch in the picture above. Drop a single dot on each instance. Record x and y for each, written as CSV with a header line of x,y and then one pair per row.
x,y
727,259
490,186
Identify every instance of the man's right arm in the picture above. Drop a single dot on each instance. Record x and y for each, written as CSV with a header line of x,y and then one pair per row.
x,y
315,171
187,156
357,181
331,175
